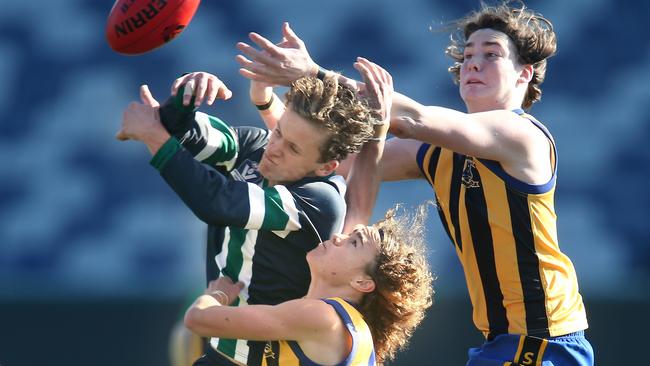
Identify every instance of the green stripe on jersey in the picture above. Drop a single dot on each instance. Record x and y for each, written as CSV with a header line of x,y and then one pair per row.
x,y
274,216
228,346
235,258
162,156
228,147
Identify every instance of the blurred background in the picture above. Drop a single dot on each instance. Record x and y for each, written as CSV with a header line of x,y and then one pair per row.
x,y
99,258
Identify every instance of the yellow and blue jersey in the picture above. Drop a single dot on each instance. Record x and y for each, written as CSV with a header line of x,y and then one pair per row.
x,y
289,353
505,235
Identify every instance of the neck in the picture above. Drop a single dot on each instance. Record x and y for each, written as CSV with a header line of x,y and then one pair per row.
x,y
321,290
510,101
484,107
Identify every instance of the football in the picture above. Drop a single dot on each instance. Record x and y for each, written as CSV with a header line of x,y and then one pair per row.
x,y
139,26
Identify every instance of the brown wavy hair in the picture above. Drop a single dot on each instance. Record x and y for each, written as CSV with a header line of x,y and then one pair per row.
x,y
531,33
403,282
337,109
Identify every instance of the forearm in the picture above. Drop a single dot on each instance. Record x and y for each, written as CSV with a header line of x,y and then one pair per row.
x,y
269,105
364,178
433,124
405,106
207,192
363,184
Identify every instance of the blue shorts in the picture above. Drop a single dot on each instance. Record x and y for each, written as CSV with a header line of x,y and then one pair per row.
x,y
512,349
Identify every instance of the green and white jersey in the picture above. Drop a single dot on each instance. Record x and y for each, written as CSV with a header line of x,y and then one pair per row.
x,y
257,234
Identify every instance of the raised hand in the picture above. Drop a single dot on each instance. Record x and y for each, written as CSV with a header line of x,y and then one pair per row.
x,y
202,86
276,64
140,118
377,88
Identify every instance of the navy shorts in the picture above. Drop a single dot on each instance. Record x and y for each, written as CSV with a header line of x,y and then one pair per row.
x,y
511,349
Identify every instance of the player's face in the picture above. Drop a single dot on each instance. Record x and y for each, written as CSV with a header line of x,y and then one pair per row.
x,y
345,256
490,71
293,150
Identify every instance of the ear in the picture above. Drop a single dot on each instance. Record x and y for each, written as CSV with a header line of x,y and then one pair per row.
x,y
363,284
526,74
327,168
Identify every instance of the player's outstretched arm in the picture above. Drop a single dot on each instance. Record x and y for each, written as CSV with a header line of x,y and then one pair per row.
x,y
141,122
269,105
299,320
365,174
279,64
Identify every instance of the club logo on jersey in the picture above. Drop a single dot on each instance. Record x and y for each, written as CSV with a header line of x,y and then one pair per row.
x,y
268,351
247,172
469,174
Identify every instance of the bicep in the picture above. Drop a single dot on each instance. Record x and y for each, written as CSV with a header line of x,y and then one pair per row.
x,y
399,160
496,135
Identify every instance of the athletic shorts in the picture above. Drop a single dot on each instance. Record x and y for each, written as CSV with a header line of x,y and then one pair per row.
x,y
513,350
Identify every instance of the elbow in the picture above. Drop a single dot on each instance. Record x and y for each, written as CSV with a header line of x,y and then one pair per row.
x,y
206,216
193,321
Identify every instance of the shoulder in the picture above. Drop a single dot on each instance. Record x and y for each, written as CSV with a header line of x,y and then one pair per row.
x,y
331,188
253,137
310,314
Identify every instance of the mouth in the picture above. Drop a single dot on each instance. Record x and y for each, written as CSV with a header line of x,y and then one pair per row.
x,y
473,82
269,160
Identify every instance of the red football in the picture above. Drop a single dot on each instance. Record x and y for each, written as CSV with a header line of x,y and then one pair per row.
x,y
138,26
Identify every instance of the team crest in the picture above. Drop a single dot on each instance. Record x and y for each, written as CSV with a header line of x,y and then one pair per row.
x,y
469,175
247,172
268,351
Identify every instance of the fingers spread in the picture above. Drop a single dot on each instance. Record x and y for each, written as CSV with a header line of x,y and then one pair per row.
x,y
289,34
264,44
253,76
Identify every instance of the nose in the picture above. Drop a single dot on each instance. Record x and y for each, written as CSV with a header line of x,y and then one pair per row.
x,y
473,64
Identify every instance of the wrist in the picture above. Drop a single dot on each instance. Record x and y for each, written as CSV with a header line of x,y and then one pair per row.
x,y
321,73
265,105
313,70
260,95
221,297
155,139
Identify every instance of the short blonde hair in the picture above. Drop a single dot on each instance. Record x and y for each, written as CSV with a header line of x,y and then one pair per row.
x,y
337,109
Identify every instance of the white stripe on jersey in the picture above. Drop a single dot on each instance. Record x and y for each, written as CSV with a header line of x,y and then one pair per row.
x,y
221,257
289,206
247,251
257,207
214,139
241,349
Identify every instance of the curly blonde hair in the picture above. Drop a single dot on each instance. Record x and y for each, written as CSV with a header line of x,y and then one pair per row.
x,y
531,33
336,108
403,282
